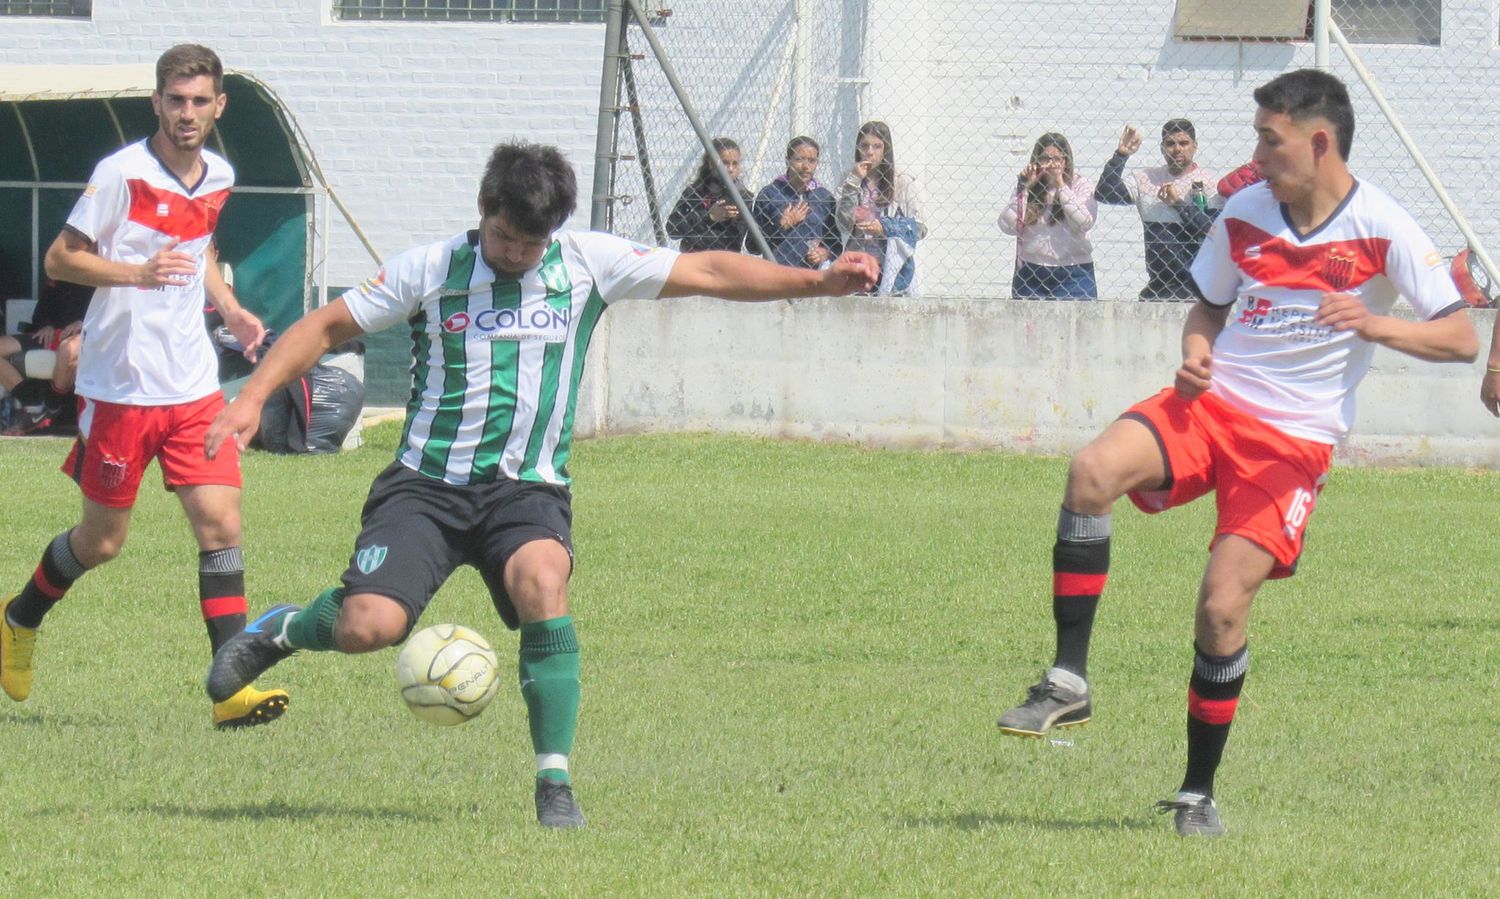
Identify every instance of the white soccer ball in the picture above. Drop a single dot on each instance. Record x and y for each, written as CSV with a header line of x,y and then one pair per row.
x,y
447,674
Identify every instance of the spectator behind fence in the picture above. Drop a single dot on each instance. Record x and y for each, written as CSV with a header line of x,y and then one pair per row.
x,y
1174,203
705,217
1050,215
879,211
46,350
795,212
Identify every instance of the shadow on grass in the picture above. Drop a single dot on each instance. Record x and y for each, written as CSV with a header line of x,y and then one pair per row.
x,y
281,811
53,719
976,820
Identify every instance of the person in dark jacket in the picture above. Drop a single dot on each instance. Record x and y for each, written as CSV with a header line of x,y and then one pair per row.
x,y
796,213
705,217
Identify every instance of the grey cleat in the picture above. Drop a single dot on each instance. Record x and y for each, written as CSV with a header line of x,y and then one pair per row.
x,y
555,806
248,654
1048,704
1196,815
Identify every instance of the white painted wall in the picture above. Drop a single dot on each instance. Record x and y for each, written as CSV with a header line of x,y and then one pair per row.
x,y
1027,376
401,115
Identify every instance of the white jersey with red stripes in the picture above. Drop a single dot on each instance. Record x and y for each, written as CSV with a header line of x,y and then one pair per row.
x,y
1273,360
148,347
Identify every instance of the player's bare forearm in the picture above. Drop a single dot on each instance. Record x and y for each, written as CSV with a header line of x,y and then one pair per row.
x,y
734,276
1201,329
1494,360
72,259
299,349
1448,339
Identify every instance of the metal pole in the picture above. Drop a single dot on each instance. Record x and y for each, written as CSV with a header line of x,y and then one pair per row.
x,y
697,123
1321,20
643,154
1416,154
609,97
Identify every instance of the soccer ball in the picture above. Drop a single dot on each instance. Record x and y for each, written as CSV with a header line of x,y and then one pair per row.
x,y
447,674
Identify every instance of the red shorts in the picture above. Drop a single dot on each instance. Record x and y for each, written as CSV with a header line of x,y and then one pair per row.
x,y
116,442
1267,480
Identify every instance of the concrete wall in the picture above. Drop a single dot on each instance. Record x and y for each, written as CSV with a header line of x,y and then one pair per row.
x,y
401,115
1026,376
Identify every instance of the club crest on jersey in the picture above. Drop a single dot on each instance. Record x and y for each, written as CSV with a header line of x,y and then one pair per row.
x,y
555,279
1338,269
369,558
112,472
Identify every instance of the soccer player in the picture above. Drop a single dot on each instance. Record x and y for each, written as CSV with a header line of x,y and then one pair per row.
x,y
1295,282
147,378
500,318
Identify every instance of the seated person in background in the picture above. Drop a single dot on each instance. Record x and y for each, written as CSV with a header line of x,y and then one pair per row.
x,y
705,218
1239,179
1174,202
1051,214
795,212
879,211
47,349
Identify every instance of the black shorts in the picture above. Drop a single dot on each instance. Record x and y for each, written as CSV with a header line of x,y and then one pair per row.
x,y
416,530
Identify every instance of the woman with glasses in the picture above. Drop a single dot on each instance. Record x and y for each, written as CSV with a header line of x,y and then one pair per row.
x,y
1050,214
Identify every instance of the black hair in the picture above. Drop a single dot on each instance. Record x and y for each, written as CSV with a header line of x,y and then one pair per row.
x,y
706,180
189,61
1310,93
531,185
1178,126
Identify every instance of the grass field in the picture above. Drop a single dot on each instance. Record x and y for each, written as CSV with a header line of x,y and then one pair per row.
x,y
793,656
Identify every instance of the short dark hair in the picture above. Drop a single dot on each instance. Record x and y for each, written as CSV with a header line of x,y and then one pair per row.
x,y
1310,93
1178,126
189,61
531,185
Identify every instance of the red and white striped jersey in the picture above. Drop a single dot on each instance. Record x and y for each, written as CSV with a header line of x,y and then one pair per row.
x,y
1273,360
148,347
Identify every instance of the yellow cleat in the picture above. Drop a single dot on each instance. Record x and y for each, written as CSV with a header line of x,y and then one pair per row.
x,y
249,707
16,645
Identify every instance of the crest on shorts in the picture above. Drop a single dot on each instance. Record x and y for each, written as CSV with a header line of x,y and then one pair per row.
x,y
1338,269
112,472
369,558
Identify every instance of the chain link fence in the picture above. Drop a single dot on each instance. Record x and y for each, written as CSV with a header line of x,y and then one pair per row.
x,y
968,89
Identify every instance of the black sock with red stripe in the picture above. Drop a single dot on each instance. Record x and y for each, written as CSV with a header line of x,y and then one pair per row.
x,y
58,570
1213,696
221,593
1080,565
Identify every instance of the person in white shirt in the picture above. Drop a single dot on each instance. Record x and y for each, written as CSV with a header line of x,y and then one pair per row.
x,y
147,377
1296,281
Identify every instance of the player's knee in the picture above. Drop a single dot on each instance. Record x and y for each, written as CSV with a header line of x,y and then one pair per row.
x,y
95,550
1091,482
1221,624
367,622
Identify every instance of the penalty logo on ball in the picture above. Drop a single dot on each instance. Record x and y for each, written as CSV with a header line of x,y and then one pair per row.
x,y
447,674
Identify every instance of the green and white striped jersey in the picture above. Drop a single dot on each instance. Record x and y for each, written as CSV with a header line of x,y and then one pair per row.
x,y
497,360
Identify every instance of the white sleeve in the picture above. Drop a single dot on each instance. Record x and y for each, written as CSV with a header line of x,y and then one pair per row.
x,y
1417,270
103,205
1214,272
622,269
394,293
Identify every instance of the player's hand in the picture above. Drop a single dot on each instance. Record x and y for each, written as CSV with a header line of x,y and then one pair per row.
x,y
169,267
1489,392
248,330
237,421
1130,141
850,273
1194,377
1343,312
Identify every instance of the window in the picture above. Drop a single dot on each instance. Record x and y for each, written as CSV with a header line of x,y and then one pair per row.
x,y
73,9
470,10
1362,21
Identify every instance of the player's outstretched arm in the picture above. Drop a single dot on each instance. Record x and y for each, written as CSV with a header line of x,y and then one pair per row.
x,y
1450,338
735,276
292,355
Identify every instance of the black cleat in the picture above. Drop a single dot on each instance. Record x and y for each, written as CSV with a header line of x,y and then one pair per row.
x,y
247,655
1048,704
1196,815
555,806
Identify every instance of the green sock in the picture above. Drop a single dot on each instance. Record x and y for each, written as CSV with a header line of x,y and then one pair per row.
x,y
311,627
549,683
